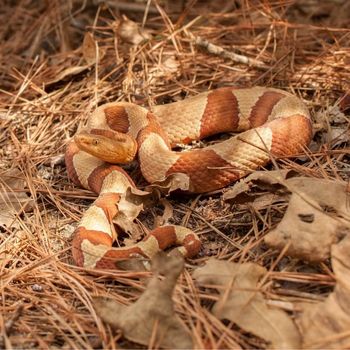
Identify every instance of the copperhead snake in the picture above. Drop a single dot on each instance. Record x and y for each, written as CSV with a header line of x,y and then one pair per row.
x,y
271,122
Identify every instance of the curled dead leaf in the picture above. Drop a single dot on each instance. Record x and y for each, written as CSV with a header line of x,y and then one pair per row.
x,y
152,315
317,217
173,182
243,191
242,303
167,68
132,202
89,49
326,325
67,73
337,136
92,53
130,31
331,115
168,213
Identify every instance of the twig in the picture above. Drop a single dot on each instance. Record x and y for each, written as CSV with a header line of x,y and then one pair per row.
x,y
219,51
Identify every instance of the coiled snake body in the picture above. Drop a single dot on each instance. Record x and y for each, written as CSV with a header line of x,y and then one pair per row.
x,y
272,123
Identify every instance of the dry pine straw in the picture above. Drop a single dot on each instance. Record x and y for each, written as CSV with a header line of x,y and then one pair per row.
x,y
45,301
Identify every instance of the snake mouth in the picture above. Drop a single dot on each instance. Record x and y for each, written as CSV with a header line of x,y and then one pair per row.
x,y
115,150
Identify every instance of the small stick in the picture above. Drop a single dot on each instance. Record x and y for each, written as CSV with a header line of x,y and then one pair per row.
x,y
219,51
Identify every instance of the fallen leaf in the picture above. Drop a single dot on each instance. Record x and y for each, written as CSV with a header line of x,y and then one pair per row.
x,y
331,115
56,160
242,303
167,68
266,200
130,31
168,213
317,217
326,325
152,316
336,136
66,73
91,53
244,190
173,182
131,203
316,226
89,49
13,201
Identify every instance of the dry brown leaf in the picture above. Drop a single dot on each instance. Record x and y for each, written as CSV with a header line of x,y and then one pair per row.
x,y
330,116
173,182
13,201
168,213
167,68
152,315
242,303
130,31
336,136
132,202
327,324
89,49
91,52
242,191
266,200
317,217
66,73
56,160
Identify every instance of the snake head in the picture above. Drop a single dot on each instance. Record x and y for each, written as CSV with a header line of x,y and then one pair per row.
x,y
110,146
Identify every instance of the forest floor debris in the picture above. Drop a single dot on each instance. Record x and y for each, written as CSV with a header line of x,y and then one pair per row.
x,y
61,59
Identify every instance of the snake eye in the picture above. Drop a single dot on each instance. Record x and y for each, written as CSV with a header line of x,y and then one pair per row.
x,y
95,142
